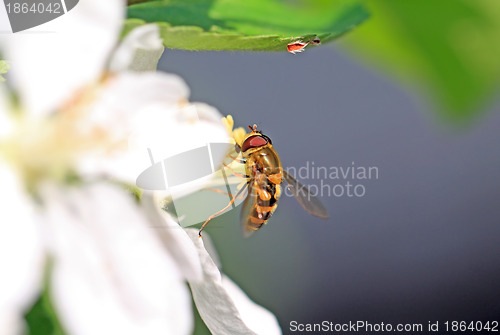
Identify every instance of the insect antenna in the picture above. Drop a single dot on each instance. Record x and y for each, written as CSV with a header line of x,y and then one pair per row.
x,y
254,128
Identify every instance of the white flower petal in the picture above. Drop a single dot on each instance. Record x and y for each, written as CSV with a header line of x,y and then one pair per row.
x,y
126,93
256,317
222,305
139,51
21,256
49,63
148,112
177,130
210,248
11,323
5,26
131,103
174,238
111,274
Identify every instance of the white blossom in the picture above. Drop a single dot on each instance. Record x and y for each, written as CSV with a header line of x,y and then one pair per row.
x,y
111,274
116,267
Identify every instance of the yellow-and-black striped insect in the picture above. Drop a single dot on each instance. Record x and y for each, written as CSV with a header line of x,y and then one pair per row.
x,y
264,174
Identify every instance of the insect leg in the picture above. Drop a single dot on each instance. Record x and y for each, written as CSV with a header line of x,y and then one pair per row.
x,y
218,191
241,160
222,192
222,210
237,174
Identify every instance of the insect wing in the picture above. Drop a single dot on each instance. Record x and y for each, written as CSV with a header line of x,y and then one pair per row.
x,y
308,201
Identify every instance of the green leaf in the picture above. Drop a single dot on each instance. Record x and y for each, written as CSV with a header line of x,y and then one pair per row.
x,y
257,25
4,67
450,48
42,319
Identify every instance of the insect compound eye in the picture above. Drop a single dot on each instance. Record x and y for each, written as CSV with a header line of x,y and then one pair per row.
x,y
254,142
267,138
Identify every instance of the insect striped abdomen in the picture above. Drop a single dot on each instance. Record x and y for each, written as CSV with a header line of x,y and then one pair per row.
x,y
262,210
264,190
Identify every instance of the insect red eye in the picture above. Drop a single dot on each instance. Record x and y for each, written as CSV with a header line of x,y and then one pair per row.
x,y
253,142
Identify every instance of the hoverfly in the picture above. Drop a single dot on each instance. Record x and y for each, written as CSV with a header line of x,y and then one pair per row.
x,y
264,174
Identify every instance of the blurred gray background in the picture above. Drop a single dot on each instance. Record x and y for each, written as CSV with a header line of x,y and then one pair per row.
x,y
421,245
